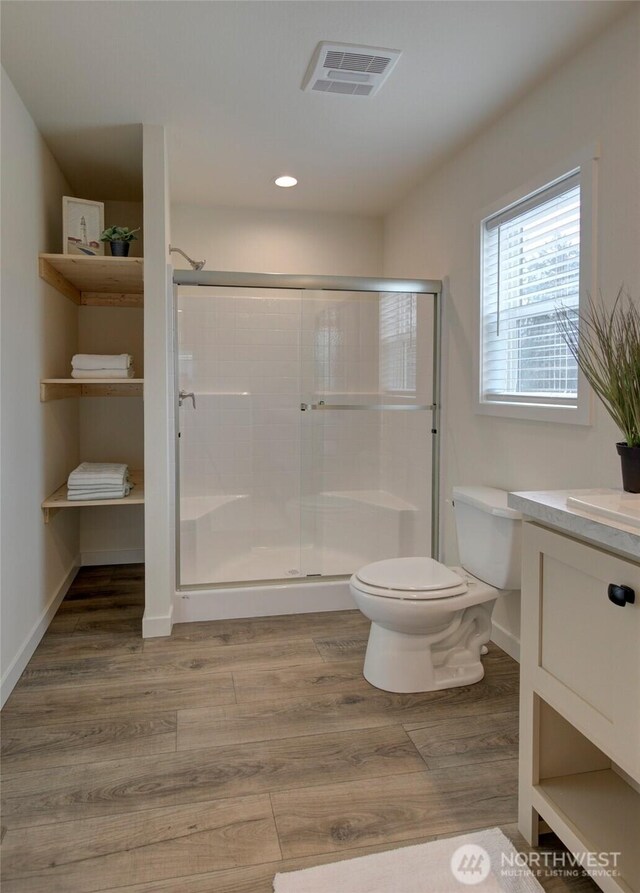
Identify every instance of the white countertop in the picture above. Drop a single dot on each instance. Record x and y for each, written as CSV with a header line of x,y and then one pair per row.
x,y
550,507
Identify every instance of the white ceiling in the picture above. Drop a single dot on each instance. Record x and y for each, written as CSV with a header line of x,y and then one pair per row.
x,y
224,77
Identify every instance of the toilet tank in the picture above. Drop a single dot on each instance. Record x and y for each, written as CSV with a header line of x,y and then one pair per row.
x,y
488,535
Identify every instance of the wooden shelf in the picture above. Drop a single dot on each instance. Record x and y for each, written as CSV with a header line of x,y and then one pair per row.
x,y
597,812
95,281
58,500
59,388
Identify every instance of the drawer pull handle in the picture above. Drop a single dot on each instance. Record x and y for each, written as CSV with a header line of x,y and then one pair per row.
x,y
621,595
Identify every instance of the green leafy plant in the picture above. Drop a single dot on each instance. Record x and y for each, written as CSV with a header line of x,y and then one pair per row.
x,y
119,234
605,342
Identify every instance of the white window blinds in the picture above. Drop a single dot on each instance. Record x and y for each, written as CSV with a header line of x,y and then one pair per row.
x,y
531,268
398,326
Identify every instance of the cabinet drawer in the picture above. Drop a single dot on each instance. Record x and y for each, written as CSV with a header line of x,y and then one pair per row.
x,y
587,654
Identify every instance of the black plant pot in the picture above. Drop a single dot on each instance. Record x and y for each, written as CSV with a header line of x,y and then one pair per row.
x,y
630,461
119,249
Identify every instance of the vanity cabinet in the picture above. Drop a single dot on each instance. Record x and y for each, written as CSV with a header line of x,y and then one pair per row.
x,y
580,699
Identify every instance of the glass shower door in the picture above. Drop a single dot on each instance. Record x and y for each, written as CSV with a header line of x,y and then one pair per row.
x,y
304,432
239,435
366,431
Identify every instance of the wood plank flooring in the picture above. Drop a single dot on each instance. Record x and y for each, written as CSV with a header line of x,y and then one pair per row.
x,y
209,761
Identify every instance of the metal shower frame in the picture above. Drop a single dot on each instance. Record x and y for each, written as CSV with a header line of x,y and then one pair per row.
x,y
351,283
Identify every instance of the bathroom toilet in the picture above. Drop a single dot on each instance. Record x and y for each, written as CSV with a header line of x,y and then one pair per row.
x,y
429,622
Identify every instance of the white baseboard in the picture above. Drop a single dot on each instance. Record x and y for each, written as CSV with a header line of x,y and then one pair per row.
x,y
112,556
24,655
506,640
262,601
157,626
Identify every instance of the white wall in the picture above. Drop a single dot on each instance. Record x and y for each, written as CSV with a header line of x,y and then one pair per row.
x,y
158,390
256,240
39,440
594,97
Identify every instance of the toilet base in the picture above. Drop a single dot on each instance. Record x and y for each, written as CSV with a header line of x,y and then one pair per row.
x,y
404,663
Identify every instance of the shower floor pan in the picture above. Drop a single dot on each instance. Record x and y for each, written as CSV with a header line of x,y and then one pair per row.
x,y
234,538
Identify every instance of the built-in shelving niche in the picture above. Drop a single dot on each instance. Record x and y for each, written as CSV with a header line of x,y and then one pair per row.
x,y
93,282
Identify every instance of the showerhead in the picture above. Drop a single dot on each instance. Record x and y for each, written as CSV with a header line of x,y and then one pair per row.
x,y
195,264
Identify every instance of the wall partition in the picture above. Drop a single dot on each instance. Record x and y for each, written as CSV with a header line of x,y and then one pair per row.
x,y
307,425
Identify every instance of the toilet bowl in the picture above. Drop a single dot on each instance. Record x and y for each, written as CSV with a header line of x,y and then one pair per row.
x,y
429,622
428,628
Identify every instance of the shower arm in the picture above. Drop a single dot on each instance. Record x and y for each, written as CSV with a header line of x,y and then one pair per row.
x,y
195,264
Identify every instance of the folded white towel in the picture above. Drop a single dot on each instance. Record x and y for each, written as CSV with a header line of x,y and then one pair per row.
x,y
96,488
86,468
113,493
102,373
91,474
93,485
101,361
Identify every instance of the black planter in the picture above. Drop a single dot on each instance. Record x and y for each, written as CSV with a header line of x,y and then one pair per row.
x,y
119,249
630,461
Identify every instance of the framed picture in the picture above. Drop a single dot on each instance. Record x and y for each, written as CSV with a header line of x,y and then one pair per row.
x,y
82,226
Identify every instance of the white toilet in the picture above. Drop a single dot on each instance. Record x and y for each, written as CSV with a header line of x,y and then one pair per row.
x,y
429,622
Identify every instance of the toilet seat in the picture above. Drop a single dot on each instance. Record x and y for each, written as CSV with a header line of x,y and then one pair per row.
x,y
414,579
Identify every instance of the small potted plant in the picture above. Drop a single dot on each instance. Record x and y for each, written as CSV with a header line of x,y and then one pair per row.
x,y
119,239
606,345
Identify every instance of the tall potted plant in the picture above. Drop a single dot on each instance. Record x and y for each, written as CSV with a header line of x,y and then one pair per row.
x,y
119,239
606,345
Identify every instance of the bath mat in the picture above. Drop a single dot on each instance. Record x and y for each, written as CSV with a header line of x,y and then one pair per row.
x,y
484,862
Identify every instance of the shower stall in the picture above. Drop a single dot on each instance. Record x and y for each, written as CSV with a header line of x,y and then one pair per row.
x,y
307,426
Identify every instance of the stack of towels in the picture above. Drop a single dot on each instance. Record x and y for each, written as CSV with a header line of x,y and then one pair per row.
x,y
94,365
98,480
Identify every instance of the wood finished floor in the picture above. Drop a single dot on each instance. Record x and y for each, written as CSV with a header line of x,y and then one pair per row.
x,y
207,762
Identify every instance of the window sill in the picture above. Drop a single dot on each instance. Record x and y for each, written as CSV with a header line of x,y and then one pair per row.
x,y
536,412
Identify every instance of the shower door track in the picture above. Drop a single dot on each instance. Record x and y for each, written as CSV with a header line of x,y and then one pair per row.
x,y
315,283
433,287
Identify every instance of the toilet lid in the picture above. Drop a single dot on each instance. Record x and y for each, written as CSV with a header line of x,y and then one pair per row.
x,y
412,578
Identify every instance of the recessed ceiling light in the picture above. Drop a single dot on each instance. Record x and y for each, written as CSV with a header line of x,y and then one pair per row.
x,y
285,182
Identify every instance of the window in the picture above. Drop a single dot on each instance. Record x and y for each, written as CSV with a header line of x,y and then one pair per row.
x,y
533,257
398,327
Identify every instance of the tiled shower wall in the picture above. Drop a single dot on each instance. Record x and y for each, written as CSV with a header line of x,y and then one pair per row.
x,y
406,440
251,358
240,355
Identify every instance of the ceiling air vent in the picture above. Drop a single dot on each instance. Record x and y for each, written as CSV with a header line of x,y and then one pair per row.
x,y
351,70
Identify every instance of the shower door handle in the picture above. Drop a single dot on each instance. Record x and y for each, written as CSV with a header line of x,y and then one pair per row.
x,y
183,395
374,407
